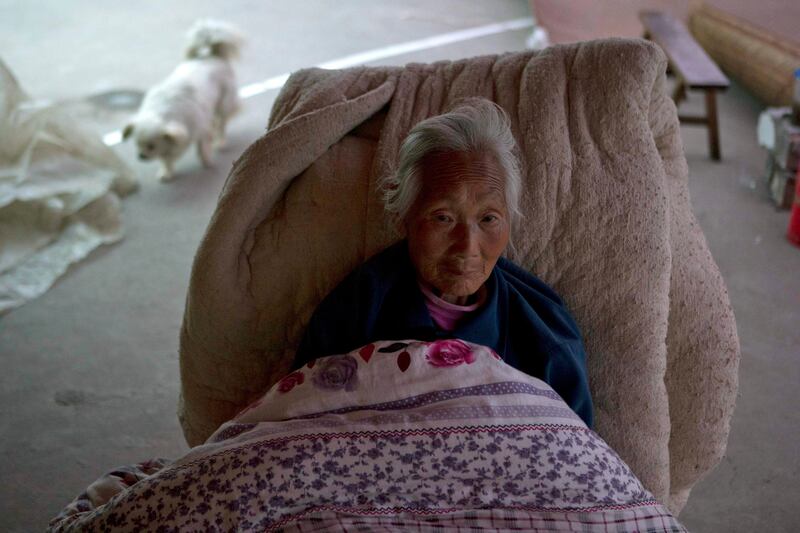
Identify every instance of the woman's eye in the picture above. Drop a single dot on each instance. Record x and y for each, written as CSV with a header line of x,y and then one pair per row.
x,y
441,217
490,219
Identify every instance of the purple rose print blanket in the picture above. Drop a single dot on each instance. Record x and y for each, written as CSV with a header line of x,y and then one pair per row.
x,y
396,436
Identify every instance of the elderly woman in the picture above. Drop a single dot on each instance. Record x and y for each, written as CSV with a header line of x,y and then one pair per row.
x,y
455,197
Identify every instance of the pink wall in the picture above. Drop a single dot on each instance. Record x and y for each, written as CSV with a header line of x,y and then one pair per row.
x,y
577,20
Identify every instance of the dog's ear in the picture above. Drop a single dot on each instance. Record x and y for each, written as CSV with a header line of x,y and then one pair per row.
x,y
175,132
127,131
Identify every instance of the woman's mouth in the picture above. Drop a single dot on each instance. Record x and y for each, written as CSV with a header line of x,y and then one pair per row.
x,y
462,270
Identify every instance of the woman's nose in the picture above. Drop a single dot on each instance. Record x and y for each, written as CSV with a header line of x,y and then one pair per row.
x,y
465,240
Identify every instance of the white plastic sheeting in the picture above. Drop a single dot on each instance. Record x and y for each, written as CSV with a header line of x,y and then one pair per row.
x,y
59,193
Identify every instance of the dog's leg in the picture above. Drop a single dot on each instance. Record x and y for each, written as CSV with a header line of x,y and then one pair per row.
x,y
227,106
219,130
166,171
204,150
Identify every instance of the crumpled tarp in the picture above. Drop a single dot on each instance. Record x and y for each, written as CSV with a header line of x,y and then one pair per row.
x,y
60,190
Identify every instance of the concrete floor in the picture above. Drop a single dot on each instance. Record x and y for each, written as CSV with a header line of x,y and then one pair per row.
x,y
91,367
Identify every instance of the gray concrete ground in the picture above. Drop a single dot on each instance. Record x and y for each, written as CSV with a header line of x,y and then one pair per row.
x,y
91,368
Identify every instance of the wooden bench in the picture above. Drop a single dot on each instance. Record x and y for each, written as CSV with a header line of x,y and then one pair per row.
x,y
692,66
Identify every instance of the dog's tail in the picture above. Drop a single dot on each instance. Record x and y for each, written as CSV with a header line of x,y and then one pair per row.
x,y
213,38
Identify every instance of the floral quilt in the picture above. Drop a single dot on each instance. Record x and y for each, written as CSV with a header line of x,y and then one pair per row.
x,y
395,436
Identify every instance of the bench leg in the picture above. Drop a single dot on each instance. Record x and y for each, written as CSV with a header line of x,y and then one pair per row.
x,y
713,126
679,93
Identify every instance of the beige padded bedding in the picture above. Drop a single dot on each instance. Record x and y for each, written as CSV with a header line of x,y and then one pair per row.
x,y
608,225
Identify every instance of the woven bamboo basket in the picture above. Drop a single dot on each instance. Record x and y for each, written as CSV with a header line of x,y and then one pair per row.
x,y
759,60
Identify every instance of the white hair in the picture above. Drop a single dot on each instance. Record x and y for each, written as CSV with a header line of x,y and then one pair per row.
x,y
474,127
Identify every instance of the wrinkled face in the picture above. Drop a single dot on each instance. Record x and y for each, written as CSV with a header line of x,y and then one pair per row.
x,y
459,225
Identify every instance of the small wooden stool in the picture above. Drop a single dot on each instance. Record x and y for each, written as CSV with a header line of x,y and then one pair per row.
x,y
692,66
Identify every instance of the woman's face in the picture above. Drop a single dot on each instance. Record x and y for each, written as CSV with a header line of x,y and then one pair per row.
x,y
458,226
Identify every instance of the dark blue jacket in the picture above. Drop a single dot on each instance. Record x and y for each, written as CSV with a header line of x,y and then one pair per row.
x,y
523,320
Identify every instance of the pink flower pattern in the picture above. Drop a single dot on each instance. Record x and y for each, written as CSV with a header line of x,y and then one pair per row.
x,y
449,352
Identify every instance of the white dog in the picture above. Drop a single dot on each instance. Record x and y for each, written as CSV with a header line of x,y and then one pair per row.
x,y
194,103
